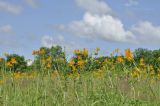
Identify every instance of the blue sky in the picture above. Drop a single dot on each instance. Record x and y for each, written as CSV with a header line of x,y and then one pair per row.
x,y
29,24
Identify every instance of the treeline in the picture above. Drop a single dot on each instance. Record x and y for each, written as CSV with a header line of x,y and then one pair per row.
x,y
54,58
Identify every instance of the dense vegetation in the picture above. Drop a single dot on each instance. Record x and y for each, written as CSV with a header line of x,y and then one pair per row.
x,y
122,78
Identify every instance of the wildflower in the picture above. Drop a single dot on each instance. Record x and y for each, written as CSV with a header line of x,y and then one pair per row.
x,y
35,52
1,59
13,61
135,73
73,68
71,63
85,52
76,52
97,61
128,54
9,64
49,59
42,51
141,62
79,57
119,59
151,68
105,61
80,63
17,75
152,71
98,49
48,65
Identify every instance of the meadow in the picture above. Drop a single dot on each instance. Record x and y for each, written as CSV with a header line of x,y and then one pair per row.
x,y
123,78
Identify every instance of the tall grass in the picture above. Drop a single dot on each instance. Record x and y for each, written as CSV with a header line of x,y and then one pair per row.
x,y
86,90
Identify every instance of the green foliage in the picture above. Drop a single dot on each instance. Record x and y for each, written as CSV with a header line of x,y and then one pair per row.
x,y
20,64
55,55
151,57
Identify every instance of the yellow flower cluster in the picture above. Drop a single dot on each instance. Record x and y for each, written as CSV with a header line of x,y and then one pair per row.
x,y
12,62
19,75
119,59
38,52
84,52
128,54
1,59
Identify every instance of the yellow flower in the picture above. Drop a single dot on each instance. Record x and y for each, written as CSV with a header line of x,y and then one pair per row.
x,y
97,61
42,51
13,61
105,61
119,59
85,52
17,75
48,65
76,51
35,52
135,73
73,68
98,49
1,59
71,63
9,64
79,57
128,54
141,62
49,59
80,63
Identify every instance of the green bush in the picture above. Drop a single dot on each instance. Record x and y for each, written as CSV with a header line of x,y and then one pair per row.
x,y
20,63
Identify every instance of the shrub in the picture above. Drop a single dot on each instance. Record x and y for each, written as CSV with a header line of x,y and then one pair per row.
x,y
15,62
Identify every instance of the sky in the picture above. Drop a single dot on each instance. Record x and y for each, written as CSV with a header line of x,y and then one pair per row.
x,y
26,25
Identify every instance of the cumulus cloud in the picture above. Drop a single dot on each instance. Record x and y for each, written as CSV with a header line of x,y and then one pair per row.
x,y
10,7
32,3
99,23
6,29
94,6
146,32
104,27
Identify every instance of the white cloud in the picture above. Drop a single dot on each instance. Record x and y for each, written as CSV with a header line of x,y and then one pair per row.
x,y
100,24
146,32
94,6
6,29
10,7
131,3
32,3
104,27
